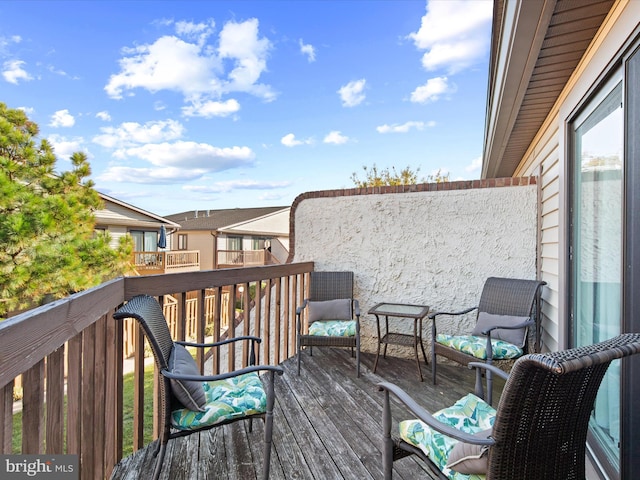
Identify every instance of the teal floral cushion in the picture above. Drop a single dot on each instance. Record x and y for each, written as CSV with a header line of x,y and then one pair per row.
x,y
469,414
225,399
477,346
333,328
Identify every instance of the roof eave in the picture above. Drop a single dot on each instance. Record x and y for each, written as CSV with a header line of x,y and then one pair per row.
x,y
518,34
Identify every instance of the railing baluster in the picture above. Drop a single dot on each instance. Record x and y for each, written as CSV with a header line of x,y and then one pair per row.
x,y
54,434
6,417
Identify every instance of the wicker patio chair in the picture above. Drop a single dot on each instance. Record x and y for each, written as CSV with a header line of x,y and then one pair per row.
x,y
330,311
190,402
538,431
508,303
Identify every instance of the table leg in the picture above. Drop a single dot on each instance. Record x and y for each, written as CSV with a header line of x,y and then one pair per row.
x,y
426,362
375,364
415,347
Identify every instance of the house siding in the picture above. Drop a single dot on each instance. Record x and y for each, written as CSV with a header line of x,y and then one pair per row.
x,y
547,158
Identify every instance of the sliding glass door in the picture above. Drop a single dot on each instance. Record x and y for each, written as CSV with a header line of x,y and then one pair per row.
x,y
597,246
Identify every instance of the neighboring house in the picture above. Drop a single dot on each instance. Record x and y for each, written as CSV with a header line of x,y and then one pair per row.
x,y
564,105
120,218
234,237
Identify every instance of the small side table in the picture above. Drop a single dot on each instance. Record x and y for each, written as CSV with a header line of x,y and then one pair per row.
x,y
415,312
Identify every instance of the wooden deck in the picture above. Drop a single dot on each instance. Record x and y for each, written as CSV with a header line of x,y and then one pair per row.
x,y
326,425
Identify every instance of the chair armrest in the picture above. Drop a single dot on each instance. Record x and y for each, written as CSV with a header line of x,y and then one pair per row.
x,y
492,368
222,342
356,308
222,376
433,315
528,323
301,307
427,418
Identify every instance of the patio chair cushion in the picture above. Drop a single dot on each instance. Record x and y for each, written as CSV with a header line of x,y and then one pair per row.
x,y
469,414
470,458
486,320
477,346
333,328
233,397
338,309
189,393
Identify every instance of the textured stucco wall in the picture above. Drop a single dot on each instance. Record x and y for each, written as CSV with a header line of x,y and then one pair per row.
x,y
435,248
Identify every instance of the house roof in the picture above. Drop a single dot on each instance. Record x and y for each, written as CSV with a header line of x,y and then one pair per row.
x,y
220,219
117,212
535,49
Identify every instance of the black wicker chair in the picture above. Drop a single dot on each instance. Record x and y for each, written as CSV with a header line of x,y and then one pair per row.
x,y
330,300
541,423
181,378
511,304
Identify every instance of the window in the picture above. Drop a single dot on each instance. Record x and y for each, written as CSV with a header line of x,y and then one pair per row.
x,y
182,241
234,243
144,241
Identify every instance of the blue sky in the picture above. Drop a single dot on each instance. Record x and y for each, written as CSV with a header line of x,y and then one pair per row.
x,y
223,104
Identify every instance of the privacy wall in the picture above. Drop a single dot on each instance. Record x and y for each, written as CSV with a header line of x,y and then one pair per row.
x,y
433,247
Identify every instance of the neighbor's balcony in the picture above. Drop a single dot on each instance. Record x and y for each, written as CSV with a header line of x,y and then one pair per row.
x,y
245,258
153,263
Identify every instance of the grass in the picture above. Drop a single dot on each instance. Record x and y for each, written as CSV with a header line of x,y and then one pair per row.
x,y
127,434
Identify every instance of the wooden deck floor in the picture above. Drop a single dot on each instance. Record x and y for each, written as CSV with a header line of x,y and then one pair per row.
x,y
326,425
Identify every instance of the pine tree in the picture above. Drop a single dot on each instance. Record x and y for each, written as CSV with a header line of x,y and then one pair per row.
x,y
49,248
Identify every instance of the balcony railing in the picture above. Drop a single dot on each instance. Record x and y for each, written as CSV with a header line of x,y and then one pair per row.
x,y
153,263
245,258
69,355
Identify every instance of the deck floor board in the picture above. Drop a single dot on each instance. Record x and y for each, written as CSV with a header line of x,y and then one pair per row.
x,y
327,425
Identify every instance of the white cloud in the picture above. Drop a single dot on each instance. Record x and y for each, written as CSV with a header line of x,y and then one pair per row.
x,y
400,128
223,187
62,118
166,175
132,133
475,165
211,108
308,50
289,140
454,33
351,93
240,42
13,72
432,90
336,138
104,115
191,155
196,68
65,147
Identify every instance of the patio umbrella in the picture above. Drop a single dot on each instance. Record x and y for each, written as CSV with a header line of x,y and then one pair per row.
x,y
162,240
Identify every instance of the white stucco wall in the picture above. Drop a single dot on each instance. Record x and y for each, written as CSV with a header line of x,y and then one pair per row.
x,y
434,248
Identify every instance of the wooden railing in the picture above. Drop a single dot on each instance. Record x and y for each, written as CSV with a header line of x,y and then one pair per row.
x,y
153,263
244,258
69,354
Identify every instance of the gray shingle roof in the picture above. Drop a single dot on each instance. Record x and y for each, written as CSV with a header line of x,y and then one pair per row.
x,y
217,219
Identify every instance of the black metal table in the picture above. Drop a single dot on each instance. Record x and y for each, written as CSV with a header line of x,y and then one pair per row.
x,y
406,311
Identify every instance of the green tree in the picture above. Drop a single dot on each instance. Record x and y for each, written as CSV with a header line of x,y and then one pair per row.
x,y
49,246
375,177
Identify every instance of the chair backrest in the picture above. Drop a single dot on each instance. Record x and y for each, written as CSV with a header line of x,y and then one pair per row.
x,y
148,312
509,296
543,415
330,286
